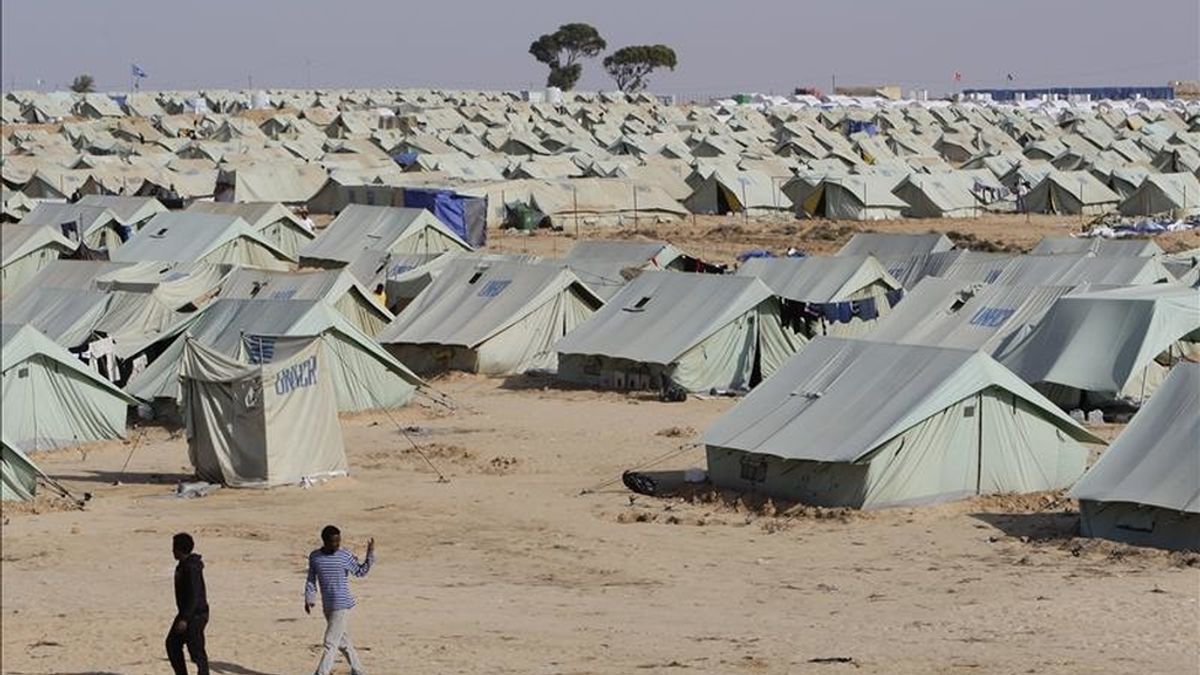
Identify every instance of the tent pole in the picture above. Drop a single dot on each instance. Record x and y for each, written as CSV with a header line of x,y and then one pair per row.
x,y
979,444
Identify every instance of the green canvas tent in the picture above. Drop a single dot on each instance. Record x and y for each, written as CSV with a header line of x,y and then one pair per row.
x,y
96,226
129,211
18,474
50,399
1092,347
381,228
695,331
365,376
266,423
606,265
275,222
869,425
1177,194
885,245
491,317
25,250
1145,490
1071,193
853,197
177,236
339,288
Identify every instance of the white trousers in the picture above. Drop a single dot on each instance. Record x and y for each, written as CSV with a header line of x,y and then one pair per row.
x,y
337,638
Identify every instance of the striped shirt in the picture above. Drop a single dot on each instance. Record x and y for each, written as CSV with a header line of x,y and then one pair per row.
x,y
329,572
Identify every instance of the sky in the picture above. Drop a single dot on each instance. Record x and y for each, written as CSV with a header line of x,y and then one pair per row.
x,y
723,47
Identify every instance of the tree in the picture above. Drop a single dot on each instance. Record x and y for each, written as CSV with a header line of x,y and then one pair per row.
x,y
562,49
83,84
630,66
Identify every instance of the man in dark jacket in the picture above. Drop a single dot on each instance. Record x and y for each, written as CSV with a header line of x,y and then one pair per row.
x,y
191,602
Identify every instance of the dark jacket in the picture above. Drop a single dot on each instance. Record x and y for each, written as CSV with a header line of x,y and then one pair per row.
x,y
191,599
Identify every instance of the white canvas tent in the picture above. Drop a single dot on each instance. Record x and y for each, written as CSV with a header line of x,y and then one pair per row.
x,y
869,425
491,317
50,399
694,331
267,423
1145,489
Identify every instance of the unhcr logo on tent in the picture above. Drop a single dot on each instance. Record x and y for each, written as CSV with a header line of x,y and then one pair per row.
x,y
303,374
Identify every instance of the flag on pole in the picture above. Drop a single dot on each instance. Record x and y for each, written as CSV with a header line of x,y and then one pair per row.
x,y
136,70
1010,77
957,76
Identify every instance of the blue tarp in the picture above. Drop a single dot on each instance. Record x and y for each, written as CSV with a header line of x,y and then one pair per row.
x,y
458,212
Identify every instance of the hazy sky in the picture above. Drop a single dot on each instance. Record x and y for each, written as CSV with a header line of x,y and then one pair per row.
x,y
723,47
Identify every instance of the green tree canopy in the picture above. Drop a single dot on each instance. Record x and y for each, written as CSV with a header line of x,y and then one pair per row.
x,y
83,84
631,66
562,49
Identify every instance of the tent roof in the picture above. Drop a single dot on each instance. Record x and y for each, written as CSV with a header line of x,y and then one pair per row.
x,y
54,214
962,315
1110,248
257,214
885,245
180,236
1047,270
66,316
818,279
681,311
839,399
128,210
1156,460
327,285
472,300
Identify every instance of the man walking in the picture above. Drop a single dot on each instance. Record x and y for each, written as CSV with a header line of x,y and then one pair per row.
x,y
191,604
328,568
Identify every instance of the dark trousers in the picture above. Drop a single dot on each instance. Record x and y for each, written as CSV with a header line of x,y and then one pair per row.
x,y
193,637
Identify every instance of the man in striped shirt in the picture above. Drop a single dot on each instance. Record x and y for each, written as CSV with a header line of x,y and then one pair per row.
x,y
328,569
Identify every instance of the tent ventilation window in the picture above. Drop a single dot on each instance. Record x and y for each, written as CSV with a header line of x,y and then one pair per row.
x,y
162,232
474,278
638,306
23,373
969,411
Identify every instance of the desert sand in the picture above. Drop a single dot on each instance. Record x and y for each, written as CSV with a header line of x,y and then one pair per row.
x,y
533,558
510,567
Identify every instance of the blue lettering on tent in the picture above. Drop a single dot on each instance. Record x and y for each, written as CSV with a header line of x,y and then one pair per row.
x,y
991,317
493,288
303,374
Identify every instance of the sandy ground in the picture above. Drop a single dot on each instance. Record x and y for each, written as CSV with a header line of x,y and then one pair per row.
x,y
721,238
508,568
